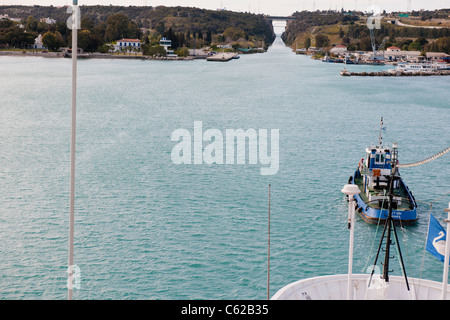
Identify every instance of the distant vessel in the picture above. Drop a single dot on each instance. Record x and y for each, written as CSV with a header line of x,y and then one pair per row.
x,y
373,177
331,60
224,56
421,67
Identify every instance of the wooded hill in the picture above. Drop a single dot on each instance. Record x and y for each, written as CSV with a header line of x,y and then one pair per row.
x,y
330,28
109,23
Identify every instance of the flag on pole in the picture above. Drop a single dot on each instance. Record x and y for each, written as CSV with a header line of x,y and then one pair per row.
x,y
436,239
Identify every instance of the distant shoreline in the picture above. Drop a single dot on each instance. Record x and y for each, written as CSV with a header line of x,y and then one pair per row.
x,y
94,56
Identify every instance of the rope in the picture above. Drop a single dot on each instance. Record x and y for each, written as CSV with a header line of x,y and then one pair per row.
x,y
376,232
413,164
407,255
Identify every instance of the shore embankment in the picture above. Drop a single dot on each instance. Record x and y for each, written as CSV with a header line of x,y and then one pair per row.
x,y
32,54
395,73
87,55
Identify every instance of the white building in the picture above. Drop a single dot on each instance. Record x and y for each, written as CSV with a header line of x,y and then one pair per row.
x,y
7,17
437,56
166,43
393,49
339,49
38,42
48,20
396,55
127,44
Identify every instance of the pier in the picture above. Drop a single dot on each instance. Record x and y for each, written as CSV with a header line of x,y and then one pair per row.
x,y
395,73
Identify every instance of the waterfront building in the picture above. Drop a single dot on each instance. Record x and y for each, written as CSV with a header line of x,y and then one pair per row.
x,y
393,49
396,55
167,43
437,56
315,50
339,49
38,42
126,45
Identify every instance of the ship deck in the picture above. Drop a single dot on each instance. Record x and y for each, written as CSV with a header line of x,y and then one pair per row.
x,y
398,192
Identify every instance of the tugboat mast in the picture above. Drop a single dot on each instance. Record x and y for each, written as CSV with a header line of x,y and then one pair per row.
x,y
390,226
380,137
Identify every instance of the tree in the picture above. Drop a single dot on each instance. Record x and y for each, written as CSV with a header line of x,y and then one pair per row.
x,y
177,39
52,40
17,38
422,41
160,27
88,41
208,37
120,26
87,24
182,52
440,45
31,24
414,46
365,44
233,33
153,50
308,42
322,41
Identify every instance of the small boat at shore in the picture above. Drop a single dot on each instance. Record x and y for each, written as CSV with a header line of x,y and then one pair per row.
x,y
223,57
374,175
345,73
331,60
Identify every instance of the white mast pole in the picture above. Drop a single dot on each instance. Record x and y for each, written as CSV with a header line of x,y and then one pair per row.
x,y
268,252
350,190
446,259
75,19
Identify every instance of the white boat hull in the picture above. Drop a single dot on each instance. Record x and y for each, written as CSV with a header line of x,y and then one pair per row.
x,y
334,287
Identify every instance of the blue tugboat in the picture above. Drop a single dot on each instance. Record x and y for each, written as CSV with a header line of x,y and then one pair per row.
x,y
382,188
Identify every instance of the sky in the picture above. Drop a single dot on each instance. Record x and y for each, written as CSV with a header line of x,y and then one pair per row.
x,y
271,7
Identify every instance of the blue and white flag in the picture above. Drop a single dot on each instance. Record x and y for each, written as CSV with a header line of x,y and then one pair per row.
x,y
436,239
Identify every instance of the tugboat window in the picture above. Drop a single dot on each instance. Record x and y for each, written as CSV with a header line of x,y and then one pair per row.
x,y
379,158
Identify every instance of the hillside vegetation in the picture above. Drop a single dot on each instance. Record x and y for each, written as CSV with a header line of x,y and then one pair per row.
x,y
329,28
103,24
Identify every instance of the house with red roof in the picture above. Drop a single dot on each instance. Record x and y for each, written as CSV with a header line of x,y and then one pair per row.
x,y
393,49
127,44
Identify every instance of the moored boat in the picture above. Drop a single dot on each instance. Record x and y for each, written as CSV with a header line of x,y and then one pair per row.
x,y
373,177
421,67
345,73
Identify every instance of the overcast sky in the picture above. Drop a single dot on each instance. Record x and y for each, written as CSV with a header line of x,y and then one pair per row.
x,y
273,7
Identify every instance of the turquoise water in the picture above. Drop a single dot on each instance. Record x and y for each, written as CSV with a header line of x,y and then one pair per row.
x,y
147,228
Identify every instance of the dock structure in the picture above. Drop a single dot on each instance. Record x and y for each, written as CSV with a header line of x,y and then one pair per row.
x,y
223,57
395,73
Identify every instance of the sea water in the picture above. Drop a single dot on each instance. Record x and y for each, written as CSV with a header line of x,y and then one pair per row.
x,y
147,228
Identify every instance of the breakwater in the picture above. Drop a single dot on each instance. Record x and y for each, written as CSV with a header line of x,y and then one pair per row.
x,y
395,73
